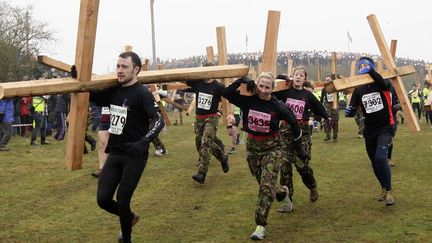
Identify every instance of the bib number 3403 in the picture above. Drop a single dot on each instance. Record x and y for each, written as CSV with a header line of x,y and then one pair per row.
x,y
118,119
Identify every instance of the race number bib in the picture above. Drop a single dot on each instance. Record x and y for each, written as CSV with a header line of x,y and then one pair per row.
x,y
372,102
118,119
297,107
259,121
330,97
204,101
105,110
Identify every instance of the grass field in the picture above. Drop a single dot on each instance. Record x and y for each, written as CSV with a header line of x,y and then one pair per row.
x,y
42,201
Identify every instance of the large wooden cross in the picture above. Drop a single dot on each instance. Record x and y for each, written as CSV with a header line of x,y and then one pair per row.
x,y
86,81
393,73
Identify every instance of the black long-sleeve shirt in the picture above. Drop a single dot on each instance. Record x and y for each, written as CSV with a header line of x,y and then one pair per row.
x,y
207,96
143,118
376,101
302,103
260,117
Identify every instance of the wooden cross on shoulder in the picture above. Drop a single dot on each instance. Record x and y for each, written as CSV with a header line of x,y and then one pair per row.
x,y
86,81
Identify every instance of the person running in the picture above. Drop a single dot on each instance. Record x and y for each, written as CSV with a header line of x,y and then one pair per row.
x,y
333,113
103,136
375,100
135,121
262,113
302,102
207,97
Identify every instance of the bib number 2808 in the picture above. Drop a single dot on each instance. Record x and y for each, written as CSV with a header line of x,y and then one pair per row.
x,y
118,119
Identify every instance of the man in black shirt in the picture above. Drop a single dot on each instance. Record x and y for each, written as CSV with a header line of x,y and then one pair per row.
x,y
135,120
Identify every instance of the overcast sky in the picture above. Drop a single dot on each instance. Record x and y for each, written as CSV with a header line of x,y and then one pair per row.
x,y
186,27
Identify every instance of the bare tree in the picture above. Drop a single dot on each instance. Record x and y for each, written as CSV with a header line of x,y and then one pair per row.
x,y
21,38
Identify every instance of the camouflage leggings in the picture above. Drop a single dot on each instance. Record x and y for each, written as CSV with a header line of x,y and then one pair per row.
x,y
290,157
207,143
264,158
334,115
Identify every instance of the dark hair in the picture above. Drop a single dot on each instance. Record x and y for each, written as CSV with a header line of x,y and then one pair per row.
x,y
136,60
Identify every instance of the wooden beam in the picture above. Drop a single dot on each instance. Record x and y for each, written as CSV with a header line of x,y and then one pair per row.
x,y
177,85
80,102
270,44
223,60
180,106
360,80
69,85
50,62
397,81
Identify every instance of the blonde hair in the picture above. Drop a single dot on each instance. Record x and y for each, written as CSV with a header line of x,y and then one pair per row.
x,y
267,75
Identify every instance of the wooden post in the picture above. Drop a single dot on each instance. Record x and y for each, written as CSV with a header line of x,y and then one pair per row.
x,y
210,54
429,69
393,47
353,68
270,44
80,101
128,48
397,81
223,60
333,75
290,68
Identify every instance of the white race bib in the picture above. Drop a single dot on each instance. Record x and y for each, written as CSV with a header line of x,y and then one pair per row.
x,y
118,119
372,102
204,101
330,97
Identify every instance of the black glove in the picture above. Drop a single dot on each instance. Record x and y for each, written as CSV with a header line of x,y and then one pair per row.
x,y
301,152
139,148
250,84
1,117
73,72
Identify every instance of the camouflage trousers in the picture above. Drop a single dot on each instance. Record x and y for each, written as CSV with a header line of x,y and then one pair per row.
x,y
289,156
207,143
264,158
157,143
334,115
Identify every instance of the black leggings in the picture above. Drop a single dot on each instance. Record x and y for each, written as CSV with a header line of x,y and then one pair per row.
x,y
123,172
377,146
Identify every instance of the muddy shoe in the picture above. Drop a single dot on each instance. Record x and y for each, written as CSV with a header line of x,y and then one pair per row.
x,y
224,163
199,177
313,195
96,173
